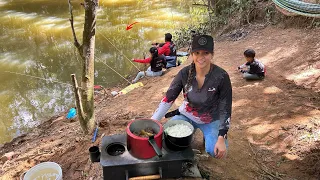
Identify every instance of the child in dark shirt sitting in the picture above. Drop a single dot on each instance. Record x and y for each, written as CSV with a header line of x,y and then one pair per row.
x,y
255,69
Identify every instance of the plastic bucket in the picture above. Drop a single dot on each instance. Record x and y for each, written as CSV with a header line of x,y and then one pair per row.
x,y
45,170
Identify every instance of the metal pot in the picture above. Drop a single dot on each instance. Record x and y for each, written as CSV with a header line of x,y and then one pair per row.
x,y
143,147
177,143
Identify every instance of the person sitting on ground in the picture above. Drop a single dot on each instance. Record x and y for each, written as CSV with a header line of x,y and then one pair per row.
x,y
168,49
156,64
207,97
255,68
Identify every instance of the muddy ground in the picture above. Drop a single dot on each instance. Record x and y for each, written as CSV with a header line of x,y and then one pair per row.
x,y
275,128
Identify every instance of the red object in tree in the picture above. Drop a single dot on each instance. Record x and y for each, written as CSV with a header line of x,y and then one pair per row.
x,y
97,87
130,26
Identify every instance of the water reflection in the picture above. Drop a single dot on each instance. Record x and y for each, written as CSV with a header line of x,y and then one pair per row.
x,y
36,40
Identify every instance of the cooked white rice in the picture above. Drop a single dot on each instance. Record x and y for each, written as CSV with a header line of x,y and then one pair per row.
x,y
179,130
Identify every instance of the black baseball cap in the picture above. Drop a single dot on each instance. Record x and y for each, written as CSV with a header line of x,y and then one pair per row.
x,y
202,42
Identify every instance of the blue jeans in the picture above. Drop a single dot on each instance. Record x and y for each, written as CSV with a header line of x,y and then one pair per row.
x,y
210,132
249,76
148,73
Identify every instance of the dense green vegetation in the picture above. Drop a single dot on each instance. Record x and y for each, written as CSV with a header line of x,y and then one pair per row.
x,y
222,16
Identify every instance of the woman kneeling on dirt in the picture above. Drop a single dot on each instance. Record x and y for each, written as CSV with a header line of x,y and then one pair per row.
x,y
156,64
207,97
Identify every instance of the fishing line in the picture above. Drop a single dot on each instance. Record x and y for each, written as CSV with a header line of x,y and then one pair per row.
x,y
21,74
120,51
172,21
39,78
113,70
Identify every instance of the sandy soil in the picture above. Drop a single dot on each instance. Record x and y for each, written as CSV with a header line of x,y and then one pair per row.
x,y
275,130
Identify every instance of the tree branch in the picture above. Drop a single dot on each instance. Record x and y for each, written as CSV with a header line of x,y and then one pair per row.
x,y
196,4
81,114
265,172
76,43
205,5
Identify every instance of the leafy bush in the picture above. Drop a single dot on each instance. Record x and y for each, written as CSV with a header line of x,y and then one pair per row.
x,y
184,34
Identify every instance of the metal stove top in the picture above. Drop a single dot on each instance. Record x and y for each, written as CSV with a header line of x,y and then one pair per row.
x,y
119,164
127,159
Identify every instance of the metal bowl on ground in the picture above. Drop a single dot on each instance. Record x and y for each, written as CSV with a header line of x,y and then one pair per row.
x,y
177,143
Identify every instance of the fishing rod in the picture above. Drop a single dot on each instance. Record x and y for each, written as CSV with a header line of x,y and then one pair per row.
x,y
50,80
120,51
97,123
96,58
39,78
95,133
113,70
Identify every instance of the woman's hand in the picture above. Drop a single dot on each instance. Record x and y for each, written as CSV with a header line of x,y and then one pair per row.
x,y
220,148
132,59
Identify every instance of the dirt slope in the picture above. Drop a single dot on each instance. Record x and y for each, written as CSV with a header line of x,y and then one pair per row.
x,y
275,130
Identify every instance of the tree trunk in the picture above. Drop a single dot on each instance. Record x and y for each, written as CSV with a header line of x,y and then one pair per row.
x,y
86,50
88,46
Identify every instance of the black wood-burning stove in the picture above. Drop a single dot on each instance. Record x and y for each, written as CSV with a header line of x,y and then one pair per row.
x,y
119,164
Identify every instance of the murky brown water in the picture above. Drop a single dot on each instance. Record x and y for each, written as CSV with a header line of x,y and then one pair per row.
x,y
36,40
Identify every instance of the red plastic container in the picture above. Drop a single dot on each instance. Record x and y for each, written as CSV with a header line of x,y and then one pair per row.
x,y
140,147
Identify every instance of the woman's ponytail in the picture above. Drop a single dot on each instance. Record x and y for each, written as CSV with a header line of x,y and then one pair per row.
x,y
154,52
191,75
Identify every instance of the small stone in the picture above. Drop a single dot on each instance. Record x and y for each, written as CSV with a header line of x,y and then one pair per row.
x,y
4,159
196,151
202,157
301,127
77,139
102,135
114,93
7,156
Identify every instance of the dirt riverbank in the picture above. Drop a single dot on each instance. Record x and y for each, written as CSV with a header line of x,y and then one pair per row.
x,y
275,128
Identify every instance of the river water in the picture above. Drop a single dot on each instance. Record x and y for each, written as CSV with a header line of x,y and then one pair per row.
x,y
37,54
